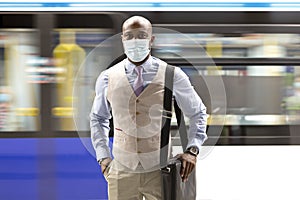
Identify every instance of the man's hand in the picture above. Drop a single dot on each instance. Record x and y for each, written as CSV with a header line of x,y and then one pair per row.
x,y
188,163
104,164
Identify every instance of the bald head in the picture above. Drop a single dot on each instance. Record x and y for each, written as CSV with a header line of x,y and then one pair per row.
x,y
137,27
137,22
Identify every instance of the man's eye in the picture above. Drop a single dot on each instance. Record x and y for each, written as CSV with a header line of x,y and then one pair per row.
x,y
128,36
142,36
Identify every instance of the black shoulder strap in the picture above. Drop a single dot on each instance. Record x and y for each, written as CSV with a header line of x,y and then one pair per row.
x,y
181,126
167,116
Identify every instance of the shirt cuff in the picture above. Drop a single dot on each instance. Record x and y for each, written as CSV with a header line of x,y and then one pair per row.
x,y
103,153
197,142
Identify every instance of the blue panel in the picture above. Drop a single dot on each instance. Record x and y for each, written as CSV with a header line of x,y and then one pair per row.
x,y
78,173
151,5
18,168
57,168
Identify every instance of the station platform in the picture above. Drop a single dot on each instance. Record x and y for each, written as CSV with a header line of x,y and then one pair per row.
x,y
63,169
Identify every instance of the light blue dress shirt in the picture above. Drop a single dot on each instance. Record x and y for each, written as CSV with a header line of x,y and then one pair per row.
x,y
184,93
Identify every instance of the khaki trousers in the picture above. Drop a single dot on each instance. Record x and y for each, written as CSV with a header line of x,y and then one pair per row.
x,y
123,185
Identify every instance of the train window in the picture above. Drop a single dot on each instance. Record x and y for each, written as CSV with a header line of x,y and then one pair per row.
x,y
19,93
260,98
70,50
84,20
16,21
232,46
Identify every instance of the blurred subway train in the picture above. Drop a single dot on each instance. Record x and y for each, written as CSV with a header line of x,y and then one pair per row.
x,y
245,65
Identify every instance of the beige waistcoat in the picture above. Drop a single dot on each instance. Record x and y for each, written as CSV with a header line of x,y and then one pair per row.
x,y
137,120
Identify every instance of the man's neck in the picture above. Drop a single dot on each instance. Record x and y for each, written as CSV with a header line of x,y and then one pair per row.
x,y
139,63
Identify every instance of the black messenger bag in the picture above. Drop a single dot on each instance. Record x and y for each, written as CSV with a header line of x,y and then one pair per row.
x,y
172,186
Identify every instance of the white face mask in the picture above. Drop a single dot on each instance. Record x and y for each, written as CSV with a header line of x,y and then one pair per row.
x,y
136,49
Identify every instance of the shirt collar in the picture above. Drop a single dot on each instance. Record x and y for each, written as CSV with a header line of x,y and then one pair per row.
x,y
129,66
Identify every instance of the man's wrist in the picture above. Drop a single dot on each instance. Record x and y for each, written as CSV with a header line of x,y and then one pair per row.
x,y
193,150
101,161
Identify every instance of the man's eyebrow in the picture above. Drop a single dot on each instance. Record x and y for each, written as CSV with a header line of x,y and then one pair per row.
x,y
143,31
127,33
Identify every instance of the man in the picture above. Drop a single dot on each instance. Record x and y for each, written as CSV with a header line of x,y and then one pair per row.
x,y
133,90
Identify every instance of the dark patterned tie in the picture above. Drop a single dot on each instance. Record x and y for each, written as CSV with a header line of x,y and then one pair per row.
x,y
138,83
